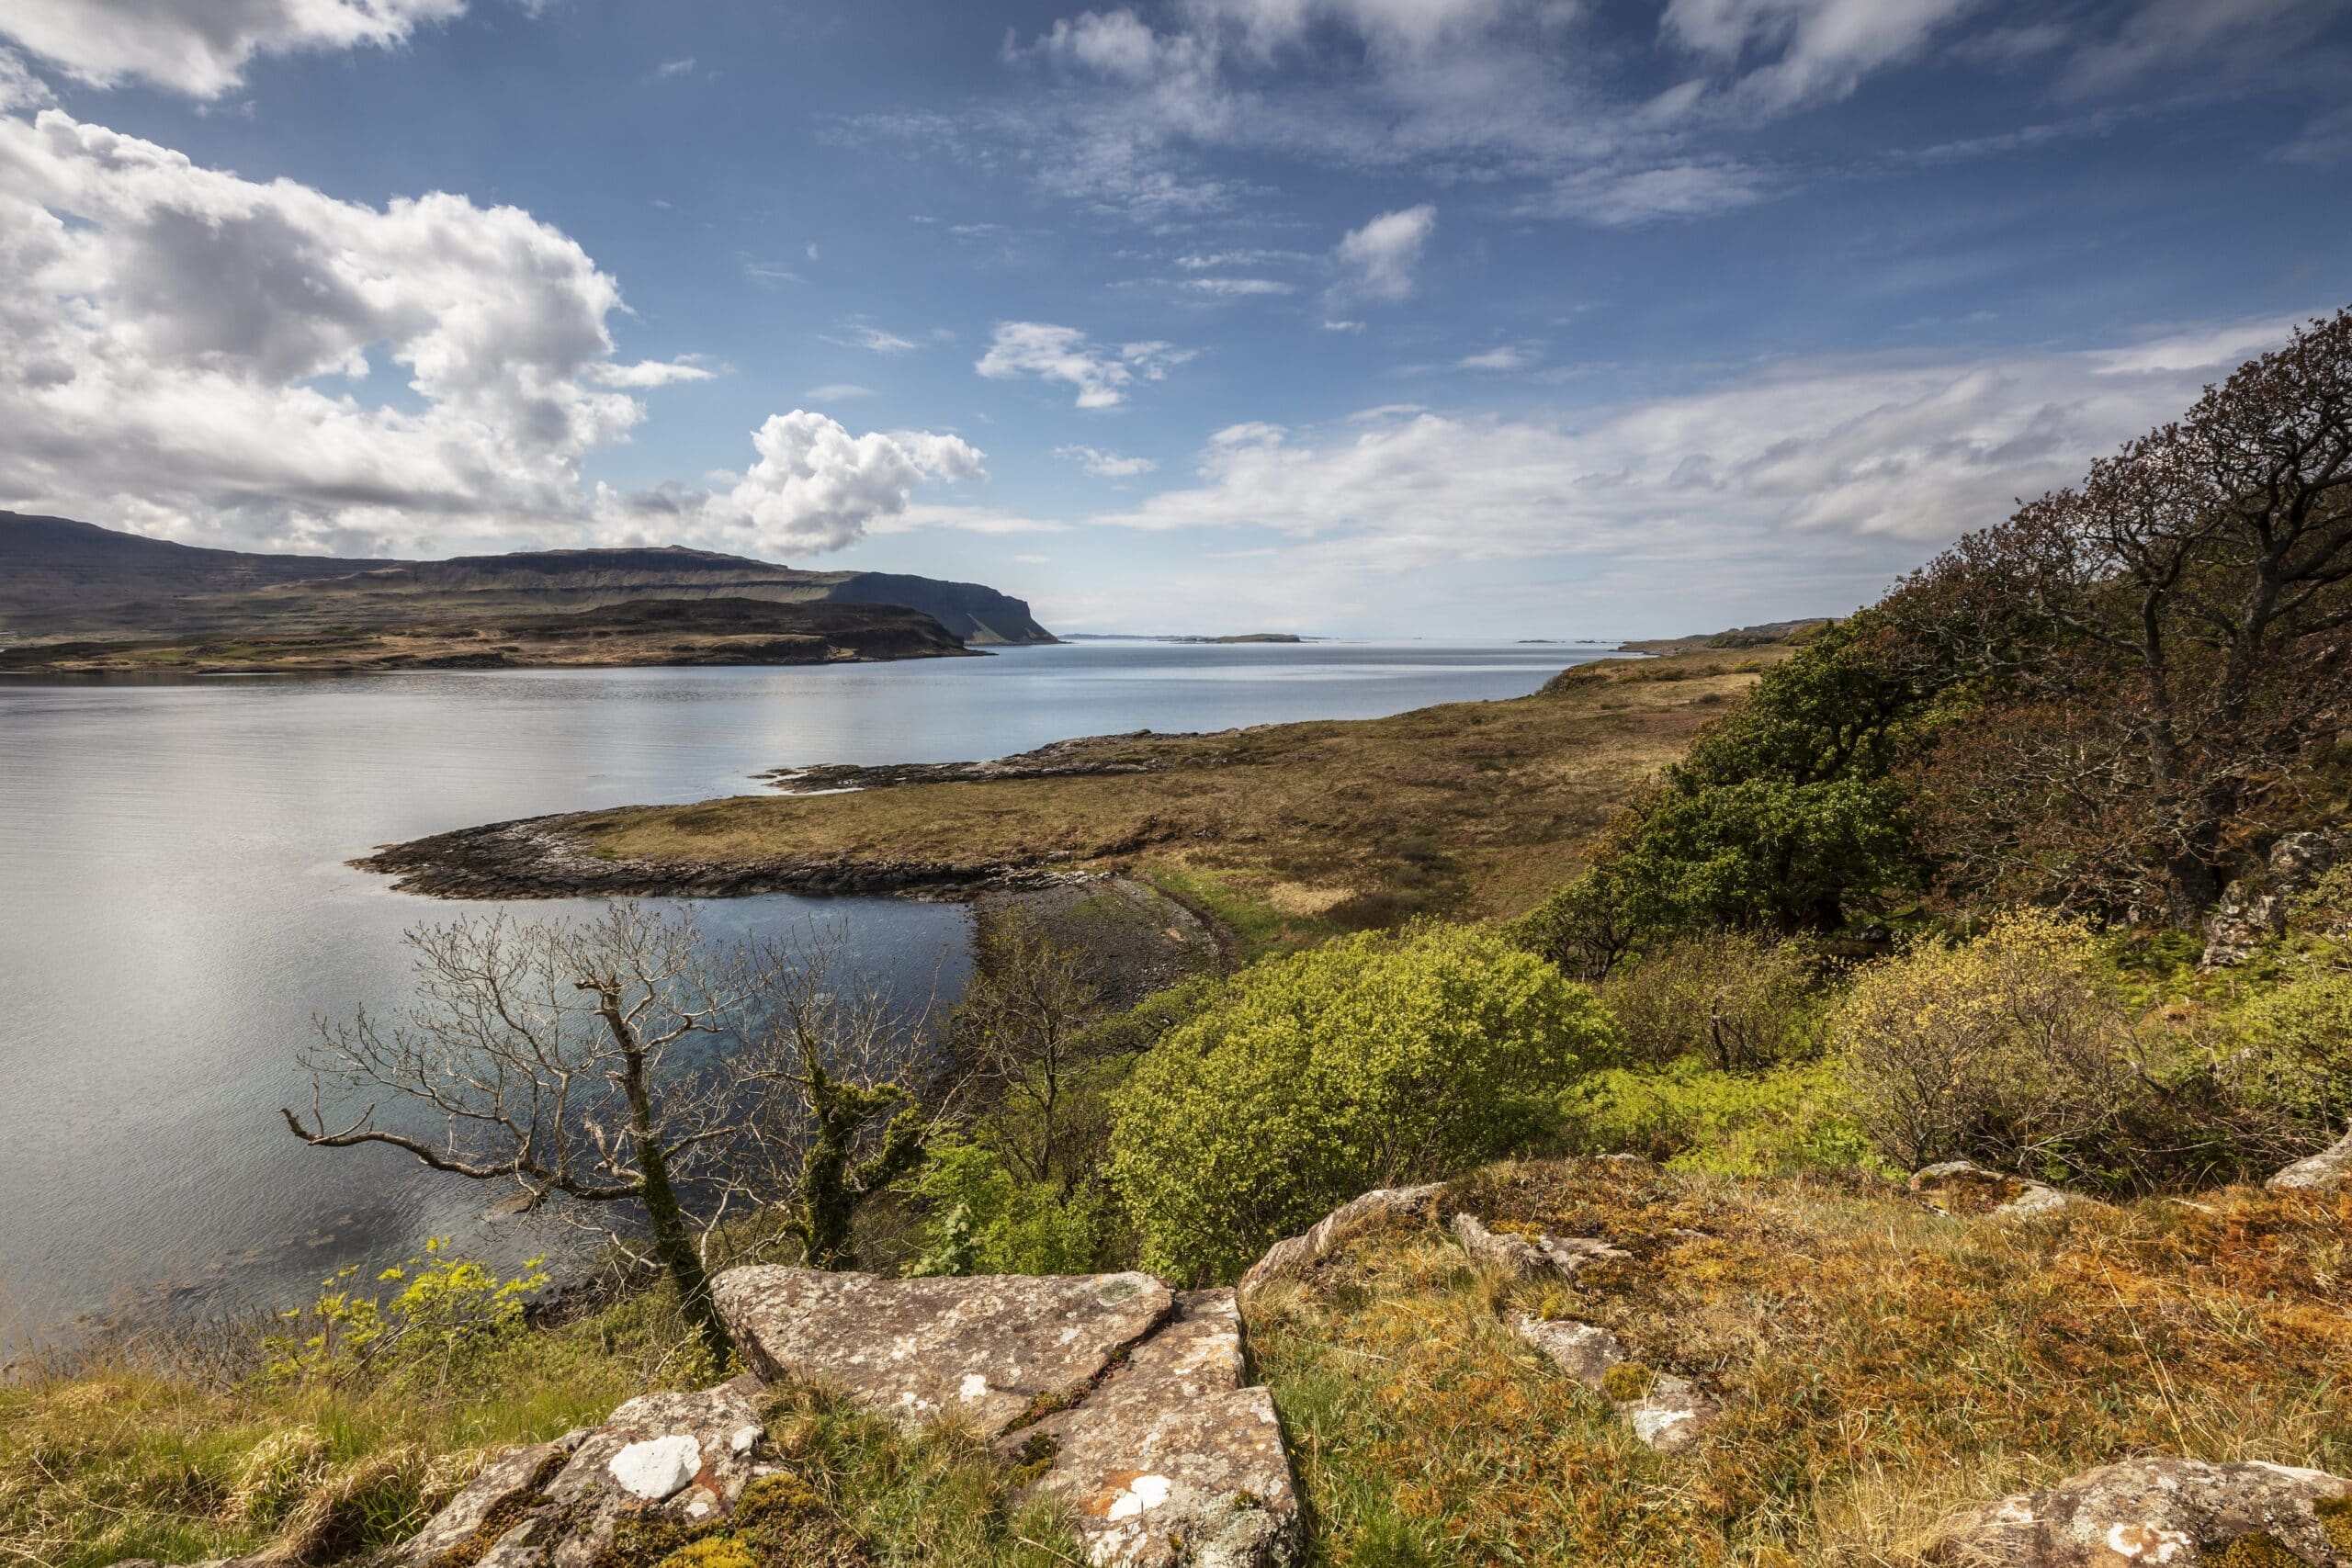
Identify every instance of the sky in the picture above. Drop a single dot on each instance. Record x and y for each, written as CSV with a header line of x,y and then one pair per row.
x,y
1406,318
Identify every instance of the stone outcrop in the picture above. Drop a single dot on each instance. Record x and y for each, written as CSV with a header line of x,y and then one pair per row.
x,y
995,1350
2179,1511
2330,1170
1294,1256
503,1489
2254,908
1174,1459
1963,1187
1522,1259
1667,1412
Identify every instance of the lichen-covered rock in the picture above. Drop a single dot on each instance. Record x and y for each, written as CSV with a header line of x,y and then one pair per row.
x,y
1292,1256
1963,1187
2329,1170
2253,909
1667,1412
1515,1255
492,1501
1173,1461
2178,1511
994,1349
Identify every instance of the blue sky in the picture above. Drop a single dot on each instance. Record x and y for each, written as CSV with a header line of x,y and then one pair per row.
x,y
1508,318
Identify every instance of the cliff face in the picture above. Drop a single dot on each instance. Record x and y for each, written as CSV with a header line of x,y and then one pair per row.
x,y
62,577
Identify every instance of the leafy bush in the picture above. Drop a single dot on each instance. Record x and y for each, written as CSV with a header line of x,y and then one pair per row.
x,y
1367,1062
1694,1117
2300,1040
985,1220
2013,1051
1581,928
1736,1000
447,1312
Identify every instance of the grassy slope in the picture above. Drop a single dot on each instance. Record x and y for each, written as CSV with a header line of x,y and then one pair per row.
x,y
1880,1364
1286,832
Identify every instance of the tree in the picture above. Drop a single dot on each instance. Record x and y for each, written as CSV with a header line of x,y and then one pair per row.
x,y
2196,589
1021,1031
616,1061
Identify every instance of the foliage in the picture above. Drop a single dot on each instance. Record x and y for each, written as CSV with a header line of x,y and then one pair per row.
x,y
1691,1116
1367,1062
447,1314
1736,1000
1019,1031
986,1220
2300,1036
1581,927
838,1169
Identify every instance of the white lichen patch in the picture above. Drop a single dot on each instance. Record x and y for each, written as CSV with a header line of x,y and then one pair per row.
x,y
658,1467
973,1387
1140,1495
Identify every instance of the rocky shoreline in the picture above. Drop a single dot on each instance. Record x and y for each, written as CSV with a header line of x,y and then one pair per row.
x,y
539,857
1058,759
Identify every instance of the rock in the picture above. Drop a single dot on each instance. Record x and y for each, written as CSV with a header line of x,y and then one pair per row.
x,y
1172,1460
2253,909
994,1349
639,1447
1571,1253
1667,1412
1515,1255
1963,1187
493,1499
1292,1258
2157,1511
657,1467
2329,1170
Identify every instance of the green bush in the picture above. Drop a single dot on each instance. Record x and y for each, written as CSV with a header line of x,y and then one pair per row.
x,y
1370,1061
1694,1117
2300,1060
1737,1001
982,1219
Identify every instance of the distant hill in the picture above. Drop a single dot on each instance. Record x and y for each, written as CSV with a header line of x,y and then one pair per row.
x,y
62,577
1765,635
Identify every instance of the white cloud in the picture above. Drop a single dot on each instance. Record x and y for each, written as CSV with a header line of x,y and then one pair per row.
x,y
1236,288
19,88
986,520
201,46
1206,261
1377,260
670,70
1619,199
1102,374
1834,468
862,334
817,487
834,391
1811,49
1342,326
202,356
1104,464
2215,38
1502,357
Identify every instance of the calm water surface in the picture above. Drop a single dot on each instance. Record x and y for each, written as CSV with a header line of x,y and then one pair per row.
x,y
174,905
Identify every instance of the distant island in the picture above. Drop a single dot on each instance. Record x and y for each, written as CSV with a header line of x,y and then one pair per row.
x,y
78,598
1245,637
1188,638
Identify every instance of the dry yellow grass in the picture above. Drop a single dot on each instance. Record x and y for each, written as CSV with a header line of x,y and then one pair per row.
x,y
1880,1364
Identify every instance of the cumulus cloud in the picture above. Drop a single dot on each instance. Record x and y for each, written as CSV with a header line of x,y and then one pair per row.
x,y
201,46
1377,261
203,356
1816,472
1103,374
1106,464
817,487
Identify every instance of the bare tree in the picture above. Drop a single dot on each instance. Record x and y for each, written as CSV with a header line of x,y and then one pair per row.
x,y
621,1060
1019,1031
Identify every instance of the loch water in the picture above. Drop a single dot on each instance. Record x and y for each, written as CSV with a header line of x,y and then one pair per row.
x,y
174,905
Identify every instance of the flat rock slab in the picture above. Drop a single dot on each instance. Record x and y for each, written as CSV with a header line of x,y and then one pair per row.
x,y
995,1349
1963,1187
1173,1461
2329,1170
1293,1256
2156,1511
1522,1259
1670,1414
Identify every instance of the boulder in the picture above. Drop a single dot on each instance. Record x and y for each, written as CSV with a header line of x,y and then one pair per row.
x,y
492,1501
2330,1170
2253,909
1667,1412
995,1349
1173,1459
1515,1255
1963,1187
1291,1258
2181,1511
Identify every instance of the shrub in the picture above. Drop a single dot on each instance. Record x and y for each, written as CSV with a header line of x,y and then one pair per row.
x,y
1736,1000
1580,927
1368,1062
2006,1050
985,1220
447,1314
1692,1117
2301,1057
